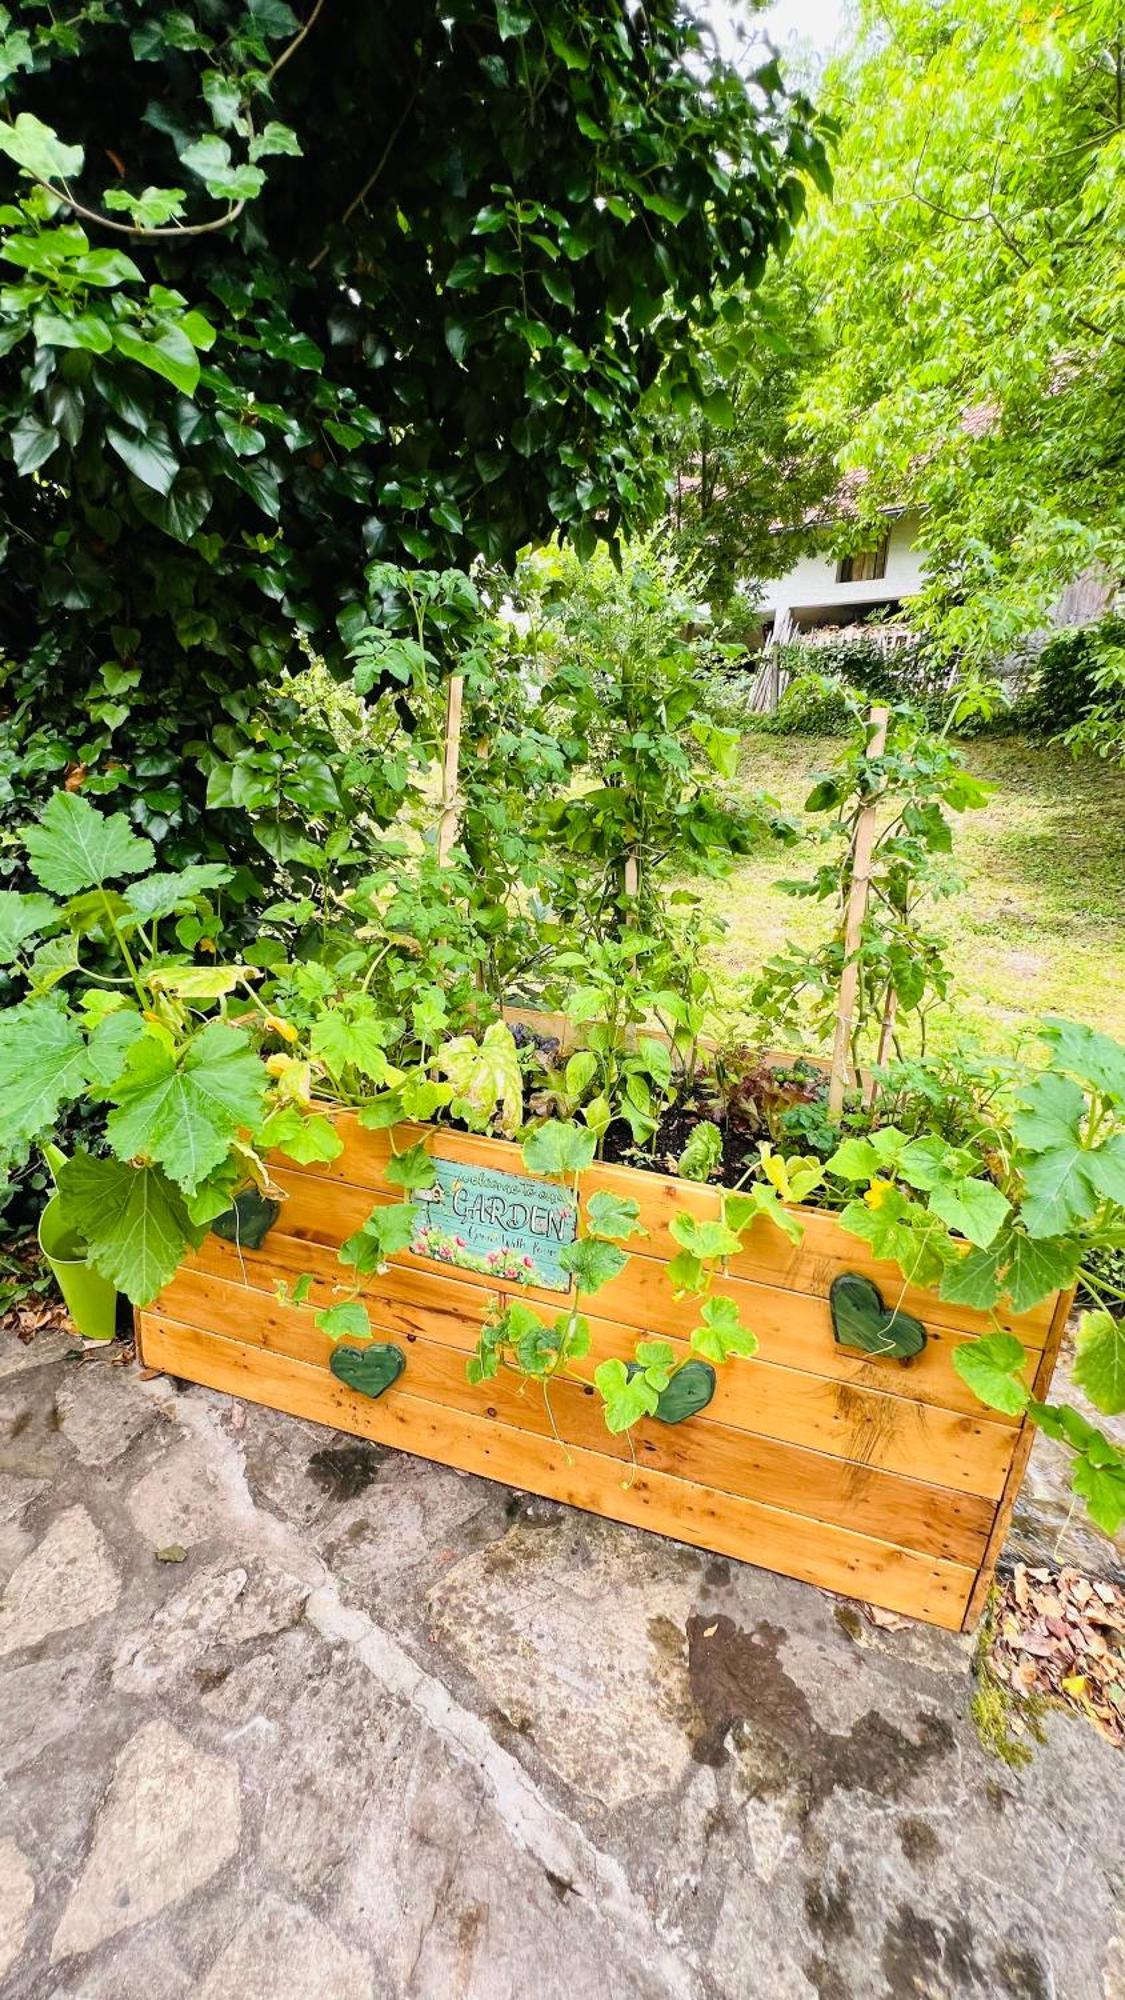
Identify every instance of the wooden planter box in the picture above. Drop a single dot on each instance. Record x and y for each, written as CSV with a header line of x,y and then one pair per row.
x,y
883,1480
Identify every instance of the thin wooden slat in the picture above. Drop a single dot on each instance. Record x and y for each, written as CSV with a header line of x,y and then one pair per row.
x,y
964,1454
835,1558
1020,1455
896,1509
795,1328
767,1255
792,1332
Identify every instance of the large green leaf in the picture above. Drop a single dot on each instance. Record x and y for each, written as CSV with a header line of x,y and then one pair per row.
x,y
74,847
1099,1365
168,352
1013,1264
1060,1193
22,917
159,895
132,1220
1095,1057
42,1066
1050,1114
183,1111
558,1149
38,150
149,456
973,1207
993,1369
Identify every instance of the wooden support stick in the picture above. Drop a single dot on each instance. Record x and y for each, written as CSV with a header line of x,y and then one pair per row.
x,y
450,805
853,930
632,876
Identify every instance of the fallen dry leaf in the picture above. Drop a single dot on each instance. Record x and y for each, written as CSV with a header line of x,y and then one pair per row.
x,y
1059,1638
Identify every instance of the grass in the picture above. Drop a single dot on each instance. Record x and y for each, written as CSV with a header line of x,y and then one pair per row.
x,y
1040,924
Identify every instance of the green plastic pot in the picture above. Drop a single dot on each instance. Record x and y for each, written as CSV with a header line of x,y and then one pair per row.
x,y
91,1300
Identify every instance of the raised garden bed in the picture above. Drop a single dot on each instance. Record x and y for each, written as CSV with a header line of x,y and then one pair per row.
x,y
883,1479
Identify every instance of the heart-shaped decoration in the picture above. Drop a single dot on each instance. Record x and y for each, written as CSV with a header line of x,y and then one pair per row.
x,y
689,1391
368,1370
861,1320
249,1221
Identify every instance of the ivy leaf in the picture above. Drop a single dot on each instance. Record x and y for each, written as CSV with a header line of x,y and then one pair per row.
x,y
388,1230
150,457
23,917
612,1217
184,1111
992,1367
133,1222
592,1262
708,1239
722,1333
32,442
558,1150
38,150
350,1317
657,1358
627,1398
413,1169
1099,1366
168,352
975,1208
300,1136
43,1064
740,1210
73,847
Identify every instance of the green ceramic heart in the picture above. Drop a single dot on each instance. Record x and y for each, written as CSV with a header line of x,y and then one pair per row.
x,y
689,1391
249,1221
368,1370
861,1320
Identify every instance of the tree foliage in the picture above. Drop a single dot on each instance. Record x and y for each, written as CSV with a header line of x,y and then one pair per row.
x,y
972,263
283,297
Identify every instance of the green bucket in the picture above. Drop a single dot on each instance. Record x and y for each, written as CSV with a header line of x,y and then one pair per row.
x,y
91,1300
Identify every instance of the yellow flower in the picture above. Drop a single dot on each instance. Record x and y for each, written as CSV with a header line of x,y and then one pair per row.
x,y
277,1065
877,1193
285,1029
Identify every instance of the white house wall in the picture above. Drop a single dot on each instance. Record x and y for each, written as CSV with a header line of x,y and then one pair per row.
x,y
811,583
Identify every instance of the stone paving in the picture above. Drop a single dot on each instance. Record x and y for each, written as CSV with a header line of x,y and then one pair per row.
x,y
366,1729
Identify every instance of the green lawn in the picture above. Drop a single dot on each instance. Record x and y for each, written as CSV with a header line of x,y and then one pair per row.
x,y
1040,925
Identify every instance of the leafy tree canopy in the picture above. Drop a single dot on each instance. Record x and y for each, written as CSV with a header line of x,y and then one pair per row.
x,y
287,296
973,272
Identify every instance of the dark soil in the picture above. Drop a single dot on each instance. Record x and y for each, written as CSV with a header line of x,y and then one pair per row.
x,y
660,1156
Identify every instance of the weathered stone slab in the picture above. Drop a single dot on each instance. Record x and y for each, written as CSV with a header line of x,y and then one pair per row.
x,y
170,1820
219,1609
17,1894
283,1953
67,1580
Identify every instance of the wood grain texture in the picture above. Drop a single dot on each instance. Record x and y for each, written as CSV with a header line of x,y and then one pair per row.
x,y
793,1331
896,1508
865,1426
1020,1455
767,1256
748,1530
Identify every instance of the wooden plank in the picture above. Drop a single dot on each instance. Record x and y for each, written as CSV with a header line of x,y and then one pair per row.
x,y
897,1509
794,1328
1020,1455
792,1332
834,1558
964,1454
411,1295
767,1257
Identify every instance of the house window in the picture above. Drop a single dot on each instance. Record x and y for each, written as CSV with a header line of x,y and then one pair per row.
x,y
864,566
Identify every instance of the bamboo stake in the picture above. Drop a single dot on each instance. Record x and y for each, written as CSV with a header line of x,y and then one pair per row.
x,y
862,847
451,758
